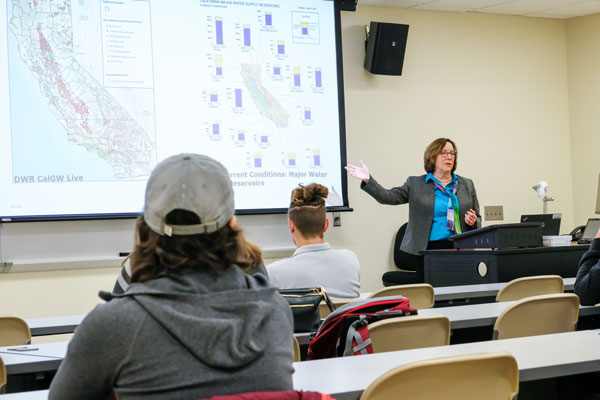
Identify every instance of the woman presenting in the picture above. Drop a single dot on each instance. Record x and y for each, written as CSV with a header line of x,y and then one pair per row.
x,y
440,204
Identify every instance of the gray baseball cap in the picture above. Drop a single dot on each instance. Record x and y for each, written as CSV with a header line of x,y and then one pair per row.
x,y
190,182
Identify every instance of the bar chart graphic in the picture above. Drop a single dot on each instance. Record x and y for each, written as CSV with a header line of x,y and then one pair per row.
x,y
316,158
247,38
219,65
241,136
268,19
292,159
280,47
276,69
216,129
318,78
214,97
307,113
258,160
238,98
219,30
297,80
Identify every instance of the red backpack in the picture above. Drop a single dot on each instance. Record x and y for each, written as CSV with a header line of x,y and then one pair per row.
x,y
344,332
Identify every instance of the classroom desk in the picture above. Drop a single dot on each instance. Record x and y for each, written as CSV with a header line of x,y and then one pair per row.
x,y
68,324
463,267
34,395
538,357
47,357
469,316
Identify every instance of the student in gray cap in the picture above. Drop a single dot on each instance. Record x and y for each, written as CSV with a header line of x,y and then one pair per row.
x,y
193,323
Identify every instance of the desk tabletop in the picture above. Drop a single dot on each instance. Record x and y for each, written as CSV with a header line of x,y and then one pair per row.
x,y
470,316
34,395
538,357
33,358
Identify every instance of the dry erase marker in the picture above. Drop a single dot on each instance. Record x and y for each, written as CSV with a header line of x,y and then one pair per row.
x,y
24,349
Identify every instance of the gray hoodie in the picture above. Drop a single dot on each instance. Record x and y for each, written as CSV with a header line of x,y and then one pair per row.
x,y
187,335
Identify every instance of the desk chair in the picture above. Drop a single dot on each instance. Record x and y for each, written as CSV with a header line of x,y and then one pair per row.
x,y
421,295
410,266
520,288
538,315
412,332
296,349
2,376
14,331
490,376
324,310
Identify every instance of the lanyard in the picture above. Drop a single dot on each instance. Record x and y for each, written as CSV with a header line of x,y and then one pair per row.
x,y
453,214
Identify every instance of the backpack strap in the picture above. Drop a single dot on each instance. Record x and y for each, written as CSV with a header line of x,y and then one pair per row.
x,y
357,338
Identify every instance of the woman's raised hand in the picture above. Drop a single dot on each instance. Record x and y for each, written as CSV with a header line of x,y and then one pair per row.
x,y
361,172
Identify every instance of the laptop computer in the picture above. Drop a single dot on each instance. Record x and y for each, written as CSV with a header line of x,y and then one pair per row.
x,y
590,231
550,222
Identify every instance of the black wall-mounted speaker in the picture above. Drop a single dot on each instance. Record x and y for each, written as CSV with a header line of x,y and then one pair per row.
x,y
348,5
386,46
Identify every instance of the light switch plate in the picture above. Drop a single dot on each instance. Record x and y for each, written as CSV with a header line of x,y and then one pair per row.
x,y
493,213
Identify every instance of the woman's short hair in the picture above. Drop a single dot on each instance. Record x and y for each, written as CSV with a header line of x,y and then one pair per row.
x,y
433,150
307,209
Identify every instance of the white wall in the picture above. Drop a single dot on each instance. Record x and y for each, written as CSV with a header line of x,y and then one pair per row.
x,y
497,85
583,43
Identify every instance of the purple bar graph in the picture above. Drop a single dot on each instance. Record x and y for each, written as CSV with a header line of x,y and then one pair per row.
x,y
280,47
307,113
214,97
241,136
247,41
276,70
219,29
238,97
292,162
257,160
264,139
216,129
305,31
268,19
318,78
296,76
316,158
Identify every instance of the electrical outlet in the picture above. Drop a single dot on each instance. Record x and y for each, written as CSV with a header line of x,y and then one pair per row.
x,y
493,213
337,219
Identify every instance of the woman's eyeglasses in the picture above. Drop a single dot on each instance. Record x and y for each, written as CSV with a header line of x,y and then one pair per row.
x,y
448,154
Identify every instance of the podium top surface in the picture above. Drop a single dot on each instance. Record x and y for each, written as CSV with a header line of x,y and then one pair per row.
x,y
491,228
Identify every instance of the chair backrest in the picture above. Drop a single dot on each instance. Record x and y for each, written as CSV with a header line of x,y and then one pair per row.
x,y
2,376
420,294
14,331
296,345
490,376
412,332
402,259
324,310
538,315
520,288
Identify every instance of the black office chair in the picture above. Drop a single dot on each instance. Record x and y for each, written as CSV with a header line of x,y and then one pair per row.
x,y
410,266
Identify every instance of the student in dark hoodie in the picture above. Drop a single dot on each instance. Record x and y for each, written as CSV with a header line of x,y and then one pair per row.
x,y
194,323
587,283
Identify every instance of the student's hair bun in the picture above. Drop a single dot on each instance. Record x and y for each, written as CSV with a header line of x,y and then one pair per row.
x,y
311,195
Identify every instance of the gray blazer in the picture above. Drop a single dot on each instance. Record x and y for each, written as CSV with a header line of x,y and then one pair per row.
x,y
420,196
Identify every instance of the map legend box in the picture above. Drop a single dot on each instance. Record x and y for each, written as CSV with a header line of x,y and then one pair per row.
x,y
305,27
297,80
318,77
316,158
306,112
219,29
219,64
268,19
247,41
258,160
238,97
280,47
216,129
